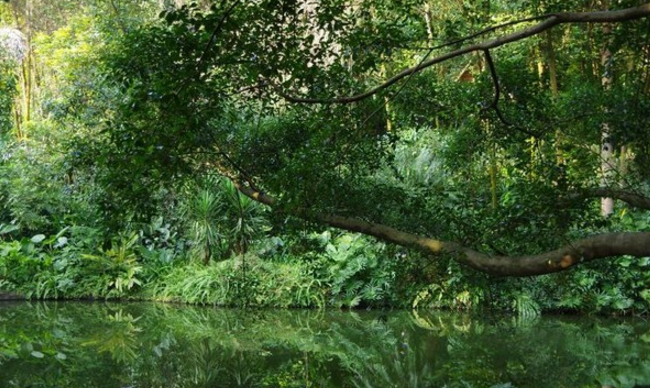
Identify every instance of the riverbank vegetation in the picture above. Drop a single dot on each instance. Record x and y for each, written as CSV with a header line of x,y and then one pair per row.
x,y
383,154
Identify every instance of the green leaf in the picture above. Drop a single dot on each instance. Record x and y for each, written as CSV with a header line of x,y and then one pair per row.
x,y
60,242
38,238
37,354
645,294
26,347
4,228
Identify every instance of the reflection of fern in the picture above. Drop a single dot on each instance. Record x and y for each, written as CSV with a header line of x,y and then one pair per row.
x,y
525,306
118,337
393,361
205,356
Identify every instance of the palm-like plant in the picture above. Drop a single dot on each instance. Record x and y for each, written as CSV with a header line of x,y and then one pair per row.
x,y
221,220
203,212
244,218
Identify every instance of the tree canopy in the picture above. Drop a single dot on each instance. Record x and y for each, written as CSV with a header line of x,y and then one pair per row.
x,y
484,132
442,131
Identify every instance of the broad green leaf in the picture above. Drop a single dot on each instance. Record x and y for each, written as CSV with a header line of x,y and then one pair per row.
x,y
37,354
38,238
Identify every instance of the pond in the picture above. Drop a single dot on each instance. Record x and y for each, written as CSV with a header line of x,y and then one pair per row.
x,y
144,345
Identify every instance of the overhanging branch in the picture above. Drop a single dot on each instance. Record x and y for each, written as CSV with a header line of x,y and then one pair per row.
x,y
581,251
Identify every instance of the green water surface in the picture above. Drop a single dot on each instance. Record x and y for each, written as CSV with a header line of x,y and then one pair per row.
x,y
143,345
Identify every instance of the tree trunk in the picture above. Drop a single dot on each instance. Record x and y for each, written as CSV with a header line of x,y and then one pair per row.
x,y
551,62
427,21
607,160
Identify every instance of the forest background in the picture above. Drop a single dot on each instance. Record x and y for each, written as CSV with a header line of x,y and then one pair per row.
x,y
337,153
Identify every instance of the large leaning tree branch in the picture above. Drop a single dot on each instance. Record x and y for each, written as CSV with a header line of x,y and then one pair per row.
x,y
550,21
581,251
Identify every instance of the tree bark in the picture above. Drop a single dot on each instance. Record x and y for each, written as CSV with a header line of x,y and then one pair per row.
x,y
549,54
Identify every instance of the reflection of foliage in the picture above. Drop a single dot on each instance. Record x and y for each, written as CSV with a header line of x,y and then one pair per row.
x,y
403,367
525,306
207,367
117,337
97,345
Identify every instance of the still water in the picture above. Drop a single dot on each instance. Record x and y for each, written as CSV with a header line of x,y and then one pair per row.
x,y
142,345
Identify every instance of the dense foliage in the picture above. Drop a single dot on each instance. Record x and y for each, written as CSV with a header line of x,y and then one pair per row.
x,y
127,131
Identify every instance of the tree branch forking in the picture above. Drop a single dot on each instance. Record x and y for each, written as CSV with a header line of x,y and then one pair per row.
x,y
497,93
550,21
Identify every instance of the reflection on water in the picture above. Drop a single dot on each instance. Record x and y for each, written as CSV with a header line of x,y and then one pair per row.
x,y
149,345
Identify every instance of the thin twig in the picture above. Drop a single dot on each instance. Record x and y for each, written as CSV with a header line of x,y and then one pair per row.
x,y
550,21
118,17
210,42
216,31
497,93
390,98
